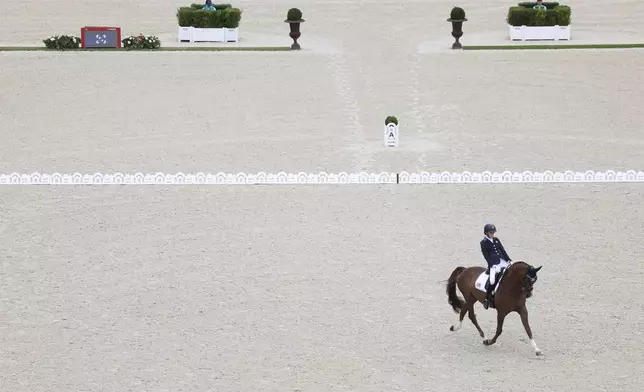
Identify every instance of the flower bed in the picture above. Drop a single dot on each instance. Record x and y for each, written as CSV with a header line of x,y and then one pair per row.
x,y
197,25
70,42
62,42
527,23
141,42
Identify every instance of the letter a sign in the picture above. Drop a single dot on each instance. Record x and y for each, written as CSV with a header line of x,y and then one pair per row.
x,y
391,135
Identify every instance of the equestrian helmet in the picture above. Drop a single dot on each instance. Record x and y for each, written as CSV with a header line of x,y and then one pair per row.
x,y
489,228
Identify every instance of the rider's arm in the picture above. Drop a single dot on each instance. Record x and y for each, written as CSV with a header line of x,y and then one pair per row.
x,y
485,251
505,254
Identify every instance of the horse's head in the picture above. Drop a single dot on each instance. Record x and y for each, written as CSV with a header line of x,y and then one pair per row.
x,y
529,280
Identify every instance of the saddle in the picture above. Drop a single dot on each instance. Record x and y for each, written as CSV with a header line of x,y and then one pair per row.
x,y
483,284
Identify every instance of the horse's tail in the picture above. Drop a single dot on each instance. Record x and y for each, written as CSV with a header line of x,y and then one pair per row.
x,y
452,297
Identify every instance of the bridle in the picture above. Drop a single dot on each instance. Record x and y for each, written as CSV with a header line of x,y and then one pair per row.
x,y
527,280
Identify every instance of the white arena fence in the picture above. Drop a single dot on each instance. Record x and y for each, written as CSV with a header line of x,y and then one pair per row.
x,y
302,178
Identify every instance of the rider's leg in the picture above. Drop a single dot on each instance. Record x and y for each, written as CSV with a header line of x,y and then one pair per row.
x,y
486,302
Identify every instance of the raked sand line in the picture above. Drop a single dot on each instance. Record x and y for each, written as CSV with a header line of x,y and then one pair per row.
x,y
345,92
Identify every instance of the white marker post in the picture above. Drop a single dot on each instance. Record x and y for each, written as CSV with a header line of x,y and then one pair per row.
x,y
391,135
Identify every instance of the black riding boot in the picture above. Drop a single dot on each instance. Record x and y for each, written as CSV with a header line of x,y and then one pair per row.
x,y
488,294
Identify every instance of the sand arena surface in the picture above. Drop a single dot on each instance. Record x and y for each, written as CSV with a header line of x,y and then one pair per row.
x,y
312,288
321,109
319,288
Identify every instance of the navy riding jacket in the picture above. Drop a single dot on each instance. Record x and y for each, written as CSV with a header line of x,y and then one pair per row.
x,y
493,251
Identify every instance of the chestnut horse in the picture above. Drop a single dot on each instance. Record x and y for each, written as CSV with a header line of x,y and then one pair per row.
x,y
513,289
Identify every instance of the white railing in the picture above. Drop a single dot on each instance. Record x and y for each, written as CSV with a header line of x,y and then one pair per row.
x,y
302,178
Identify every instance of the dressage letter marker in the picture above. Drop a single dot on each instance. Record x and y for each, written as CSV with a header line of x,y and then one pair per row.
x,y
101,37
391,135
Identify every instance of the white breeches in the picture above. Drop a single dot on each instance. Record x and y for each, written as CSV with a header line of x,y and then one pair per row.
x,y
495,269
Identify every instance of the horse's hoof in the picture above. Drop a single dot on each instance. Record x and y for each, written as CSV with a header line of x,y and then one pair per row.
x,y
482,335
451,328
539,353
486,342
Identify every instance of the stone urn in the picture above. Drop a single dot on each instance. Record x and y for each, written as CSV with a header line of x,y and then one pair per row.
x,y
294,18
457,17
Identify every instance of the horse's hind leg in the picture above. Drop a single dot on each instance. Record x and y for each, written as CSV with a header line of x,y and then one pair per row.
x,y
461,316
470,304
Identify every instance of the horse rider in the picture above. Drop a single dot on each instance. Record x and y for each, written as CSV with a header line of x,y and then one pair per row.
x,y
496,257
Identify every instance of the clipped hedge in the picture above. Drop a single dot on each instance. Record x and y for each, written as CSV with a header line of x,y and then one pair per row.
x,y
524,15
225,17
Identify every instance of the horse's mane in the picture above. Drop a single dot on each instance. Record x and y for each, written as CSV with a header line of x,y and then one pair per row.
x,y
510,269
520,262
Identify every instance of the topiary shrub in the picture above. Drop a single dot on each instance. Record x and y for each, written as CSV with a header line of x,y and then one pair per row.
x,y
225,17
457,13
391,119
294,14
62,42
524,15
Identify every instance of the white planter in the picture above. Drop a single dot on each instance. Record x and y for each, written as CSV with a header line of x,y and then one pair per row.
x,y
208,35
193,34
539,33
231,35
391,136
185,34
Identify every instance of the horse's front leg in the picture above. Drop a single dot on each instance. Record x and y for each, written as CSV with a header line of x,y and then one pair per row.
x,y
500,317
523,312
